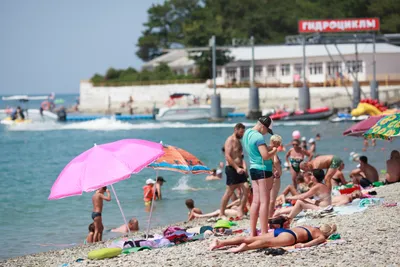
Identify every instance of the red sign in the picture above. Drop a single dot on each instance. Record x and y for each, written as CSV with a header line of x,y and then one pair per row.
x,y
339,25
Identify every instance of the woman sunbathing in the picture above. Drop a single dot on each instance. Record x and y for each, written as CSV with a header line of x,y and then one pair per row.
x,y
302,187
319,192
300,237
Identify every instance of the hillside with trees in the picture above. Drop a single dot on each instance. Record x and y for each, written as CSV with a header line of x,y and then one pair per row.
x,y
191,23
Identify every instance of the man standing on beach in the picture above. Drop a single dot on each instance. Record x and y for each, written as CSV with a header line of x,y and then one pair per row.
x,y
97,200
235,170
329,162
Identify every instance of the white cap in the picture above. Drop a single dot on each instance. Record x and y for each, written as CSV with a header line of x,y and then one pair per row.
x,y
303,138
352,153
286,164
359,165
219,171
311,140
150,181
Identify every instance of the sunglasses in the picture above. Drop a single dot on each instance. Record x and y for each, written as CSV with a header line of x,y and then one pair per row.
x,y
295,144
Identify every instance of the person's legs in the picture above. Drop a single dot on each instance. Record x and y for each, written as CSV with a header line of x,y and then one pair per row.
x,y
294,177
97,226
211,214
255,207
328,177
265,186
301,205
274,194
238,240
284,239
225,199
281,211
101,230
243,199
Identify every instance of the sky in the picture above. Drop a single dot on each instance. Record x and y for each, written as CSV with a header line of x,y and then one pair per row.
x,y
51,45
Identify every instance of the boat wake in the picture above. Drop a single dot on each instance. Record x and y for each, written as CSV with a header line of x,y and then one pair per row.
x,y
107,124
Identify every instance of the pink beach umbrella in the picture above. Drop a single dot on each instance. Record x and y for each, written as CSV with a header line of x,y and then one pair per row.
x,y
104,165
360,128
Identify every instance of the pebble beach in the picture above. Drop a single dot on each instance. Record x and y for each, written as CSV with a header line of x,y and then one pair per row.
x,y
371,240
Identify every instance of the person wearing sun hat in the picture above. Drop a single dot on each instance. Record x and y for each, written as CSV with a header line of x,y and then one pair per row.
x,y
261,165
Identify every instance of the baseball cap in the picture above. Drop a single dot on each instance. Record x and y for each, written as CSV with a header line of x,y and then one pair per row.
x,y
311,140
150,181
303,138
219,171
267,122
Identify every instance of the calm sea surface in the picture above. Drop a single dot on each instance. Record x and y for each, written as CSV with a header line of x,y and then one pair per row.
x,y
32,156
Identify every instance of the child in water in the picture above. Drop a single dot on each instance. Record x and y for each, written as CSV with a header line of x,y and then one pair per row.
x,y
89,238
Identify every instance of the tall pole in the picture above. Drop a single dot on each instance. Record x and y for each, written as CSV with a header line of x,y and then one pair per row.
x,y
374,83
214,71
215,110
254,100
304,91
356,85
252,62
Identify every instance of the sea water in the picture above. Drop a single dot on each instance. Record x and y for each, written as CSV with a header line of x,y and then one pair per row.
x,y
33,155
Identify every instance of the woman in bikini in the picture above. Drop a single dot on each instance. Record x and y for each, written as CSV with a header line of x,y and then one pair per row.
x,y
294,157
319,192
300,237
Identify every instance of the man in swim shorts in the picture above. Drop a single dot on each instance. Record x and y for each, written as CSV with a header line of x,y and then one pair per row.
x,y
329,162
235,170
365,174
97,200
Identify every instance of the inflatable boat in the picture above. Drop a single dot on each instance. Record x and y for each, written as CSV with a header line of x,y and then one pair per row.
x,y
309,114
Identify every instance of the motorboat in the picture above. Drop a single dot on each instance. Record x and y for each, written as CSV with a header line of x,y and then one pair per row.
x,y
29,114
346,117
309,114
191,110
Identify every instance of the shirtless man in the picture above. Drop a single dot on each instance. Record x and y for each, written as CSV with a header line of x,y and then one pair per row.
x,y
97,200
393,168
329,162
236,174
366,174
133,225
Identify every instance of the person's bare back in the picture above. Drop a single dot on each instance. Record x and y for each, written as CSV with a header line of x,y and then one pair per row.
x,y
371,174
393,167
322,162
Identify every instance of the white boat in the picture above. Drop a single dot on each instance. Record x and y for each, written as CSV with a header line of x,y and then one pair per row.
x,y
188,111
30,114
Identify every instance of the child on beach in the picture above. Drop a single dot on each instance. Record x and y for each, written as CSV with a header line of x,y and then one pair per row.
x,y
90,236
148,192
192,210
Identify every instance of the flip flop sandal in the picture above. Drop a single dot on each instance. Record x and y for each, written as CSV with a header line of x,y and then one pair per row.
x,y
388,205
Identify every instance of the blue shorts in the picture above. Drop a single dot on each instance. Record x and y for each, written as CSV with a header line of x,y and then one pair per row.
x,y
260,174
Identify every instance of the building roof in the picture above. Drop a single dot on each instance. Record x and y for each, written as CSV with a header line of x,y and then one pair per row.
x,y
296,51
179,57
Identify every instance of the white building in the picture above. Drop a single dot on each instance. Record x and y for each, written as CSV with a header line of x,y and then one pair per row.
x,y
282,64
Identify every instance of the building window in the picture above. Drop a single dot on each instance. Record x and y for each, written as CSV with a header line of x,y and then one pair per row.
x,y
219,73
315,68
258,71
285,70
231,73
298,69
354,66
334,68
244,73
271,71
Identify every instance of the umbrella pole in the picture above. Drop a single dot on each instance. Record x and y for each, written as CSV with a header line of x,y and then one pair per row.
x,y
120,208
151,210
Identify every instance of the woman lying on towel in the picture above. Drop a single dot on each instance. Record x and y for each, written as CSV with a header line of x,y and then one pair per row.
x,y
319,192
300,237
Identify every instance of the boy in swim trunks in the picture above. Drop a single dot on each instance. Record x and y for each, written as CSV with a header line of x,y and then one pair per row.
x,y
97,200
329,162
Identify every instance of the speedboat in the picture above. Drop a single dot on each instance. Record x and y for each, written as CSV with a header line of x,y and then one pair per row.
x,y
30,114
309,114
191,111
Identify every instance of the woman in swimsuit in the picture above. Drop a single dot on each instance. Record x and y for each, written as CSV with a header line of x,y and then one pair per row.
x,y
300,237
294,157
319,192
338,178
